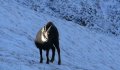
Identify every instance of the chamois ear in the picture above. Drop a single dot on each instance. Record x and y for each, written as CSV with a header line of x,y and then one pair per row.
x,y
45,28
49,29
42,30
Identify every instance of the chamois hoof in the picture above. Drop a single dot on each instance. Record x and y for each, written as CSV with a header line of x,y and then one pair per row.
x,y
41,61
59,63
51,61
47,62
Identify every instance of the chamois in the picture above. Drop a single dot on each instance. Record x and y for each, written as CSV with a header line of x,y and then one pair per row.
x,y
48,38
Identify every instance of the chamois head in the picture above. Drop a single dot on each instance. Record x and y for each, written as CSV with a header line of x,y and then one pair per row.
x,y
45,34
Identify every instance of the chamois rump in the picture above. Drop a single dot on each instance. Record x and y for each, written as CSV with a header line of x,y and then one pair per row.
x,y
48,38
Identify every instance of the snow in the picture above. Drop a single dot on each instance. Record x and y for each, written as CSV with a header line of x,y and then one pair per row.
x,y
99,15
81,48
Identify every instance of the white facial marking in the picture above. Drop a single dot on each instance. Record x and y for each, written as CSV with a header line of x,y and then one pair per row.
x,y
44,38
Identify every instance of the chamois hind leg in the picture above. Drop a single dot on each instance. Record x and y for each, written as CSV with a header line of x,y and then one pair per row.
x,y
53,54
58,50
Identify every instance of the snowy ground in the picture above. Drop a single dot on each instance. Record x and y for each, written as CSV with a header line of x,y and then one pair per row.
x,y
81,49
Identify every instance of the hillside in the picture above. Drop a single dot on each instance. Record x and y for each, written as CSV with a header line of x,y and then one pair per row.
x,y
81,48
99,15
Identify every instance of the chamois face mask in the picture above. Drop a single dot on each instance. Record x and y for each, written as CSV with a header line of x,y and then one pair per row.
x,y
44,36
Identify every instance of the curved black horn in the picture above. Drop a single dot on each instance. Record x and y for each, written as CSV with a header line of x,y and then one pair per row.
x,y
49,28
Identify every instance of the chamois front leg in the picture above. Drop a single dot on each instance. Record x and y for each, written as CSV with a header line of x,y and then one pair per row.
x,y
47,55
41,58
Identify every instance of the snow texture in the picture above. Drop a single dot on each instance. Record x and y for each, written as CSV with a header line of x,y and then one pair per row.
x,y
99,15
81,48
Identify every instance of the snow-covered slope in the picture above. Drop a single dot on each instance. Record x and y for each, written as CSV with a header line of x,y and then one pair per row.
x,y
81,49
102,15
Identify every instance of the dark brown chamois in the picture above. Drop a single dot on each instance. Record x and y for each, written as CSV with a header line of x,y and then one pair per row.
x,y
48,38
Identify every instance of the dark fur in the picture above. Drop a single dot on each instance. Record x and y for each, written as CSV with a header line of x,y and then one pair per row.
x,y
53,39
